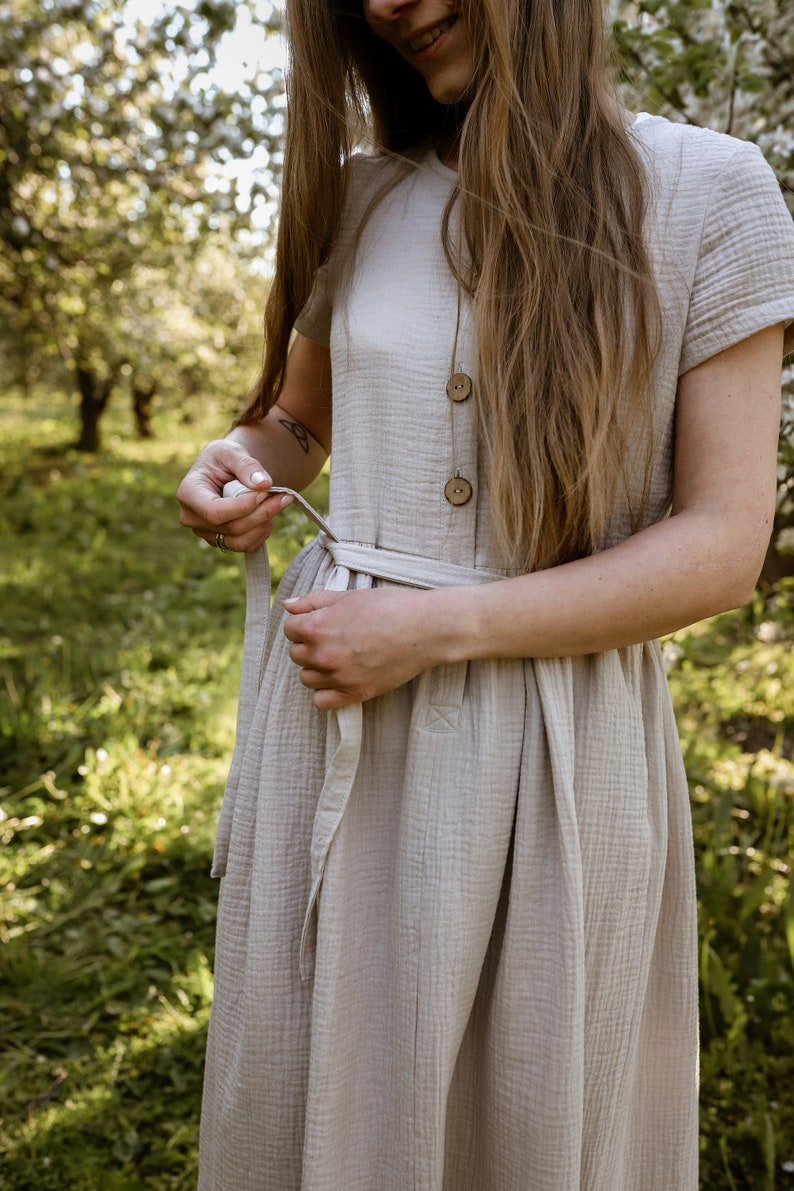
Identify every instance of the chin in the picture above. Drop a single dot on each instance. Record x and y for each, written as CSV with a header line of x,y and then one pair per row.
x,y
449,94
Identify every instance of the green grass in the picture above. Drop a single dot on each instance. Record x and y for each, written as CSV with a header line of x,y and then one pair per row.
x,y
733,686
120,639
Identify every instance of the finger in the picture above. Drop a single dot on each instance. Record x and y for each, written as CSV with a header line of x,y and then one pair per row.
x,y
230,456
327,697
225,514
248,531
234,514
240,543
293,627
332,700
263,515
316,680
299,654
202,506
299,605
297,627
201,489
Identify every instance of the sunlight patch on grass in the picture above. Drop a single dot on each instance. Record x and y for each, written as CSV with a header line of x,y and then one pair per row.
x,y
121,638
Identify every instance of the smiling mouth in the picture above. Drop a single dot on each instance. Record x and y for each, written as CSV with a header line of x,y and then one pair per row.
x,y
427,39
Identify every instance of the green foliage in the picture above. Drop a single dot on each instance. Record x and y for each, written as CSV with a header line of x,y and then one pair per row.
x,y
733,685
119,652
115,148
727,66
120,640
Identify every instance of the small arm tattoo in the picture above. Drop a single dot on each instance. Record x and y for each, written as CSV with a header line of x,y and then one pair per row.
x,y
300,433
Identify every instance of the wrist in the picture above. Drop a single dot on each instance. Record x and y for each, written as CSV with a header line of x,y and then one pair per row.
x,y
248,437
452,624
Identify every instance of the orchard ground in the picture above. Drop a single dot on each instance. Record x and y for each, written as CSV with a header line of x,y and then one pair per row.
x,y
120,642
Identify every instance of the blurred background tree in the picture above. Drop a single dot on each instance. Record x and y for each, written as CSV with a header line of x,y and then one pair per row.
x,y
123,174
120,182
138,173
727,66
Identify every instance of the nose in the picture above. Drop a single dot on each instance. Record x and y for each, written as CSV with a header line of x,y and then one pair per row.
x,y
381,11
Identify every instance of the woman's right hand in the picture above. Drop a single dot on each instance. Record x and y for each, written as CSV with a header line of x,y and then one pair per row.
x,y
244,521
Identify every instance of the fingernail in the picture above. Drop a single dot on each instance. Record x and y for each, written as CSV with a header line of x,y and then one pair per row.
x,y
291,600
285,500
257,477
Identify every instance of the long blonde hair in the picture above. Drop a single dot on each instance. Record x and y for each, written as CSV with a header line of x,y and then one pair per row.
x,y
551,204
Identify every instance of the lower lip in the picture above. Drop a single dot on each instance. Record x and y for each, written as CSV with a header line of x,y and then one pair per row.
x,y
435,46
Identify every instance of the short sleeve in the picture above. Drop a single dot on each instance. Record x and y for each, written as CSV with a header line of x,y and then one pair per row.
x,y
314,321
744,277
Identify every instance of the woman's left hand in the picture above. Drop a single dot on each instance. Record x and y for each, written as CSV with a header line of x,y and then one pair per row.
x,y
353,645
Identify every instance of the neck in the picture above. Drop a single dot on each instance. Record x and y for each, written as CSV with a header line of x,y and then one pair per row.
x,y
447,148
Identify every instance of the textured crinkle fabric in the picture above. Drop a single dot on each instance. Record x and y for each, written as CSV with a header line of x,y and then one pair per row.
x,y
456,939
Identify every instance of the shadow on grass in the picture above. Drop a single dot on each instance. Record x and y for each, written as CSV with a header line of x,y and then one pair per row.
x,y
120,642
136,1126
105,1002
119,651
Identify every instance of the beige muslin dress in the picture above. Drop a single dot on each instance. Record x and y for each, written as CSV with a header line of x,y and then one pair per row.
x,y
456,937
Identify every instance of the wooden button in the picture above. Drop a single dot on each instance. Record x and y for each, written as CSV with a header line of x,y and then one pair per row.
x,y
458,491
459,387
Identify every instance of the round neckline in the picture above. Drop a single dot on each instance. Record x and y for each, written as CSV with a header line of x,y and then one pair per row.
x,y
440,166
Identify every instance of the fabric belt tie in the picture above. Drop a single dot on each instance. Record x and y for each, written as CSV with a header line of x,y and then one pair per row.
x,y
410,570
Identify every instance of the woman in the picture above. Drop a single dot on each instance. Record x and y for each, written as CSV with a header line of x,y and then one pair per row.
x,y
456,937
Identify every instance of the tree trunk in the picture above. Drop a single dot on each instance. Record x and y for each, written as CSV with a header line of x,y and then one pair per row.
x,y
142,401
94,395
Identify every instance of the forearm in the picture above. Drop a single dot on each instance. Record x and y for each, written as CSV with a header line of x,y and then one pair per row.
x,y
352,646
670,575
704,559
287,450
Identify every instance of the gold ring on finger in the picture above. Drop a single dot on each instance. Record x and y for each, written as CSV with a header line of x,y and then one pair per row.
x,y
220,542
